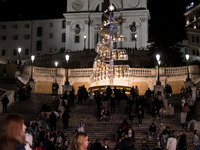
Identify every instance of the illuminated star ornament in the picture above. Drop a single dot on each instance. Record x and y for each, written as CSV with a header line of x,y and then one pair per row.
x,y
111,8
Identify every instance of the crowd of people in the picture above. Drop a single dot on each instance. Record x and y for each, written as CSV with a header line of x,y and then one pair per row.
x,y
49,139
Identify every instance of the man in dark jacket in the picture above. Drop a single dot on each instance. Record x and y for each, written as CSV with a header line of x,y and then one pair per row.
x,y
182,141
112,103
52,120
5,102
49,145
140,114
152,131
65,120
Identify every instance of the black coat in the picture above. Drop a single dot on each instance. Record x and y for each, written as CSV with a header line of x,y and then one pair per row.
x,y
5,101
182,142
65,117
52,118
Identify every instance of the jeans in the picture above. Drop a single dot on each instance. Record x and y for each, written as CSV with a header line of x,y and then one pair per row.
x,y
140,120
197,147
44,123
30,129
155,134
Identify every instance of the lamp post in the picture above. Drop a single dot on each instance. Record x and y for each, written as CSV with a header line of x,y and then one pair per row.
x,y
56,64
19,51
85,41
187,56
32,59
159,62
67,59
135,41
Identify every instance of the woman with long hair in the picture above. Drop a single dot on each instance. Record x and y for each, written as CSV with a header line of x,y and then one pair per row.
x,y
64,145
13,133
79,141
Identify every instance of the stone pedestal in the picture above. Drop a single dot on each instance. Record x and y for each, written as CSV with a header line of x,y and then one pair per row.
x,y
195,126
169,109
188,83
181,117
159,88
66,88
32,85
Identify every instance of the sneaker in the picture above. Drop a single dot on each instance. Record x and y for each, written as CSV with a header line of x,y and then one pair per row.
x,y
149,137
34,132
139,125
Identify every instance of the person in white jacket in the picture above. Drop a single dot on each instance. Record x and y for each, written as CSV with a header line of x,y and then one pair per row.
x,y
171,142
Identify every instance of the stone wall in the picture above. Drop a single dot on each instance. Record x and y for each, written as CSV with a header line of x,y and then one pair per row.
x,y
141,77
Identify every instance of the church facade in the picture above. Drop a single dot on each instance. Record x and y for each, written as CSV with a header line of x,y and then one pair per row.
x,y
77,30
84,17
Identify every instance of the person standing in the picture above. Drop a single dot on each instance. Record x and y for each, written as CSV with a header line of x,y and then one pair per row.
x,y
29,91
182,141
65,120
79,95
52,120
112,103
49,144
140,114
4,72
171,142
196,141
5,102
13,135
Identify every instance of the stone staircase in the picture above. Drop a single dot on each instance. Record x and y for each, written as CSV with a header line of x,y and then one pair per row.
x,y
94,128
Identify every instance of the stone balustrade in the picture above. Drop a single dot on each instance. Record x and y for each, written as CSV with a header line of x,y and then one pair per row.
x,y
87,72
142,77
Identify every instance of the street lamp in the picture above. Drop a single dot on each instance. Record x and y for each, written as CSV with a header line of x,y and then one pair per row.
x,y
67,59
19,51
159,62
85,41
187,56
56,64
135,41
32,59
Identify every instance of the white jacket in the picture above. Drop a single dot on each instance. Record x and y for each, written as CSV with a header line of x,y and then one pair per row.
x,y
171,143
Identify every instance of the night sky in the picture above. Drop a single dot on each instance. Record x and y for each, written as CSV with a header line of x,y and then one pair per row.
x,y
161,11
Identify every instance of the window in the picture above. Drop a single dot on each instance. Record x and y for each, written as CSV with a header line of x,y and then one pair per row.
x,y
51,24
186,51
63,37
39,45
3,53
3,26
77,39
14,26
14,52
39,31
27,36
50,50
27,51
26,26
15,37
63,24
51,35
195,39
196,52
3,37
133,36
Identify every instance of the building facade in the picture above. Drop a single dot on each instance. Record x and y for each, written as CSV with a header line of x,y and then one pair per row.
x,y
82,19
192,18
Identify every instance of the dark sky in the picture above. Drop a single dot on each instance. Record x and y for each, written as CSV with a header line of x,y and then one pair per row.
x,y
36,9
161,11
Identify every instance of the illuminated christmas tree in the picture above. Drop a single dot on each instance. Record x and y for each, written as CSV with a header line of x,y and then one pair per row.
x,y
103,67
